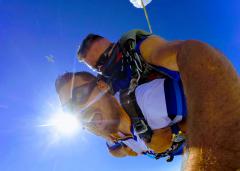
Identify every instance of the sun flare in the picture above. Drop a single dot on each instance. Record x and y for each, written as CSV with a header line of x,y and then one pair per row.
x,y
65,124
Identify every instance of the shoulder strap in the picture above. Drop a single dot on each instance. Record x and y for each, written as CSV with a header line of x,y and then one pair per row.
x,y
132,35
129,103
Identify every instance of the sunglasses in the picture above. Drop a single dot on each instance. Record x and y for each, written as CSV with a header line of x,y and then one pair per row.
x,y
80,96
104,57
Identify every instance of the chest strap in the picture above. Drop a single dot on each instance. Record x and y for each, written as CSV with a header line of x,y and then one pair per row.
x,y
129,103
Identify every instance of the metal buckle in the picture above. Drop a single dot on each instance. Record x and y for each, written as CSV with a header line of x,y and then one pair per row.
x,y
179,137
141,127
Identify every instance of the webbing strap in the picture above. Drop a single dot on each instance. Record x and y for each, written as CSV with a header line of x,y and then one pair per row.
x,y
129,103
178,97
114,146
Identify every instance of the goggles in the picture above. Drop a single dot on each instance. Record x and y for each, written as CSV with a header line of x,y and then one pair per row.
x,y
104,57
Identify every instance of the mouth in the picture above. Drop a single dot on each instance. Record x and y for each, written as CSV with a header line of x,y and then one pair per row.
x,y
95,122
95,119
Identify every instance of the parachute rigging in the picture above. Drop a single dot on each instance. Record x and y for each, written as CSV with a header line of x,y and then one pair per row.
x,y
143,4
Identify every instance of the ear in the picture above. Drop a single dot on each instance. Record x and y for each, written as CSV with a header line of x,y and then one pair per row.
x,y
102,85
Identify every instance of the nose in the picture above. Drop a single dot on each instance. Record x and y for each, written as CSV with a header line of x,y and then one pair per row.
x,y
96,120
89,117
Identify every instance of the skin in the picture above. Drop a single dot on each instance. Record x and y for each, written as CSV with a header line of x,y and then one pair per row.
x,y
103,110
95,51
212,90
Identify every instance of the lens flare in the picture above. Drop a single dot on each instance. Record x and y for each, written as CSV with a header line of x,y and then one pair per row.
x,y
64,124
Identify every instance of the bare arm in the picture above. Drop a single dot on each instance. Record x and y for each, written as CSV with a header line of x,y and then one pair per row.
x,y
122,151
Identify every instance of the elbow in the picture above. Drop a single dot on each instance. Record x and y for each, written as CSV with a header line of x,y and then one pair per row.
x,y
117,153
122,152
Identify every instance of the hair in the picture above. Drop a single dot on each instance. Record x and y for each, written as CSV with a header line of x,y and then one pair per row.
x,y
68,76
86,45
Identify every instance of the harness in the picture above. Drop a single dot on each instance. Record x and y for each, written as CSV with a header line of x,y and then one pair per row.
x,y
127,65
142,128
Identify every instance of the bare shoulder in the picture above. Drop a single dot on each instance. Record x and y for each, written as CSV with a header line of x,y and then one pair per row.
x,y
151,43
159,52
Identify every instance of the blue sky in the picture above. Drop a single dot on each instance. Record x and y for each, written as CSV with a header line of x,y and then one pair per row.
x,y
30,30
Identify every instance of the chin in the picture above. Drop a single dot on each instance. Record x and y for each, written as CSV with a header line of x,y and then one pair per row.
x,y
106,132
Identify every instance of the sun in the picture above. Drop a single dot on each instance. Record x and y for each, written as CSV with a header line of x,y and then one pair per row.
x,y
64,124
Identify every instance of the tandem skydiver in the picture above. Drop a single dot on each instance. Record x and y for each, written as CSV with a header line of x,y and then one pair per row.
x,y
196,76
124,66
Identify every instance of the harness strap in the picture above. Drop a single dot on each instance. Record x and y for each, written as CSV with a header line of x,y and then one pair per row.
x,y
129,103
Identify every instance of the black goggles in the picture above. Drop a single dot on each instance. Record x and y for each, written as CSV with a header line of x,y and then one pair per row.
x,y
104,57
80,96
